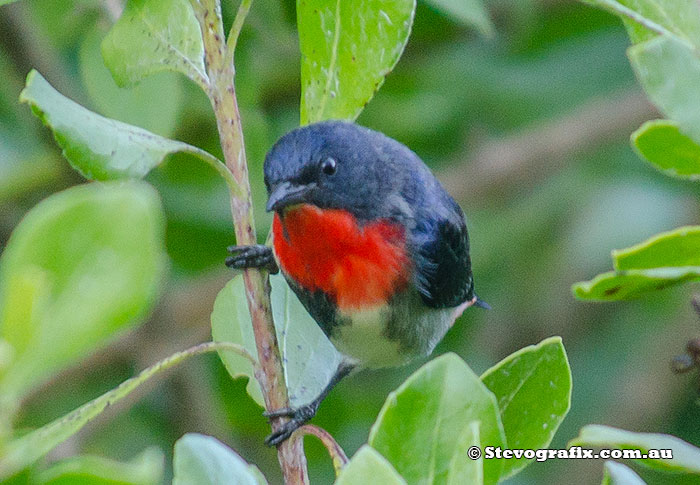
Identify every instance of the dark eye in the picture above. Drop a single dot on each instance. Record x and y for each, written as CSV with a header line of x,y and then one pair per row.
x,y
328,166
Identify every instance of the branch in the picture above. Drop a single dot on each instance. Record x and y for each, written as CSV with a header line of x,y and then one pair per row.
x,y
222,95
23,451
340,459
235,32
527,156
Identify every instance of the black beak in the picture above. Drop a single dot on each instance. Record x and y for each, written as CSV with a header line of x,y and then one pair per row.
x,y
286,194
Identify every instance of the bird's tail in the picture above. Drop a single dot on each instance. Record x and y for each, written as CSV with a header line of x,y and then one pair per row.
x,y
481,303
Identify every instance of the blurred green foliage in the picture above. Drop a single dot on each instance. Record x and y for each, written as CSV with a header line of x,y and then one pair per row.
x,y
452,94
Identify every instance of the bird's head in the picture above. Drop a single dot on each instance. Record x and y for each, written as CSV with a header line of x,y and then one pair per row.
x,y
333,165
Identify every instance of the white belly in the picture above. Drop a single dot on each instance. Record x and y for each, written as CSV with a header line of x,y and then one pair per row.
x,y
387,337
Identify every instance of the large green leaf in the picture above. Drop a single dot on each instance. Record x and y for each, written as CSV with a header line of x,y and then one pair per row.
x,y
686,457
83,266
669,70
469,12
21,452
347,48
664,260
463,470
98,147
533,389
203,460
310,359
368,466
663,145
153,36
144,469
422,425
619,474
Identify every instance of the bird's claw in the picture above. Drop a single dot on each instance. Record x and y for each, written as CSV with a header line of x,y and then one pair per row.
x,y
279,413
254,256
298,417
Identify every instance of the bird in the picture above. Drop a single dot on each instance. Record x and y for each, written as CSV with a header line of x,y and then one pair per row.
x,y
370,242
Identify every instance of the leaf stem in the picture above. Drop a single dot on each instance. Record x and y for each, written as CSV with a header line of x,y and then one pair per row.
x,y
235,31
219,166
340,459
23,451
624,11
222,95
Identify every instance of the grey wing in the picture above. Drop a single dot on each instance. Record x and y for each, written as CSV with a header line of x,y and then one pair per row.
x,y
443,267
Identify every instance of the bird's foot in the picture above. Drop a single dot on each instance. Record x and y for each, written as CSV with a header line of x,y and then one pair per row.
x,y
254,256
298,417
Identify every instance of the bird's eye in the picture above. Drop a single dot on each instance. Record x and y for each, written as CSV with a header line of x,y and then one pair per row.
x,y
328,166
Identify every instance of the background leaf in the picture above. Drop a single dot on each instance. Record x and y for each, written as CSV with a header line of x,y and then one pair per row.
x,y
347,49
83,265
368,466
203,460
533,389
679,17
144,469
310,359
427,417
686,457
469,12
153,104
669,70
619,474
153,36
663,145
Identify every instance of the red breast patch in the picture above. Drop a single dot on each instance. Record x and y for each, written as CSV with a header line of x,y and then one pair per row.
x,y
326,249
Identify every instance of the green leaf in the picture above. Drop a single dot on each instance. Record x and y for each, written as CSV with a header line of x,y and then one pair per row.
x,y
230,322
84,265
153,36
368,466
25,450
625,285
310,359
203,460
145,469
421,426
686,457
645,18
669,70
100,148
468,12
533,389
665,260
680,247
619,474
462,469
347,49
662,144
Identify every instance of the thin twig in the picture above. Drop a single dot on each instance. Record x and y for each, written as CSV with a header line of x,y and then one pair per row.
x,y
235,31
340,459
222,95
25,450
